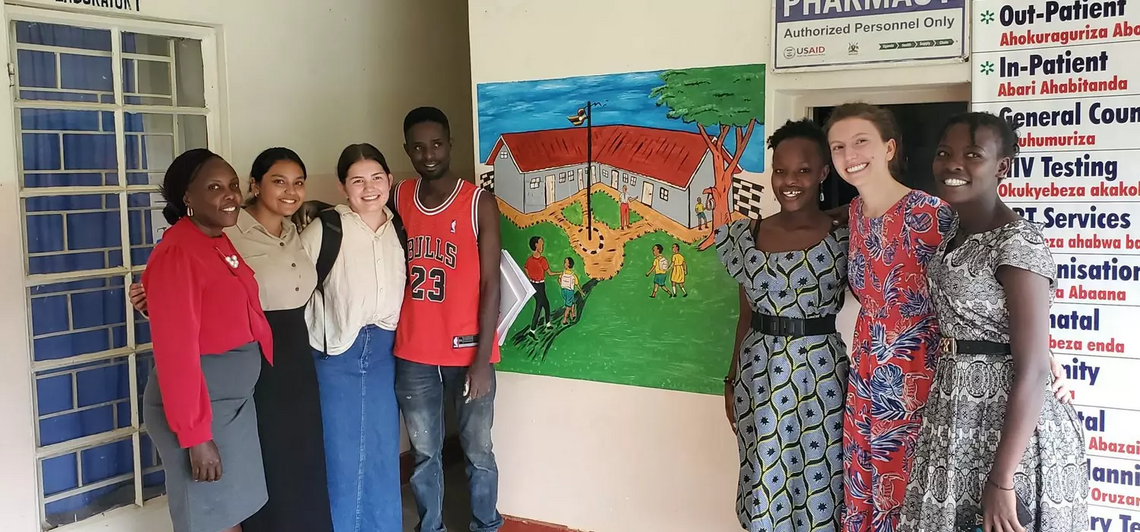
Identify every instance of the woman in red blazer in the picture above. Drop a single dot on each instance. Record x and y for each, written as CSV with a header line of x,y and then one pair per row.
x,y
209,334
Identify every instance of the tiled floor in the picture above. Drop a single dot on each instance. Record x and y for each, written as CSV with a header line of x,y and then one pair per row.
x,y
457,507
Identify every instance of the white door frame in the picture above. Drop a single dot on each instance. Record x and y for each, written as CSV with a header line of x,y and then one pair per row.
x,y
800,104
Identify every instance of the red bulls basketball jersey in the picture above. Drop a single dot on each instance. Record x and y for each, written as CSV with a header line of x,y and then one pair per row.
x,y
441,299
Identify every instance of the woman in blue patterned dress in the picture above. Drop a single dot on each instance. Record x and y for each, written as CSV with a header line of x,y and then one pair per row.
x,y
785,388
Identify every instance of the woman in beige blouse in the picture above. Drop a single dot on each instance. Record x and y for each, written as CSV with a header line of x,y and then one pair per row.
x,y
287,396
352,323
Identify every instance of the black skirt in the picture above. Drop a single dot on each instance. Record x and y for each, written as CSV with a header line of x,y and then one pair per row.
x,y
292,437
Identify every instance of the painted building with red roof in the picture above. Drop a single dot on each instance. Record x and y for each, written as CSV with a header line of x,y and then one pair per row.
x,y
663,169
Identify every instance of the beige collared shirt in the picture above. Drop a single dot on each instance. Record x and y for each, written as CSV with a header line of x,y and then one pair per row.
x,y
365,286
285,274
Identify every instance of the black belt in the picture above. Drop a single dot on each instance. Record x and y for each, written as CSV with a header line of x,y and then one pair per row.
x,y
974,347
792,327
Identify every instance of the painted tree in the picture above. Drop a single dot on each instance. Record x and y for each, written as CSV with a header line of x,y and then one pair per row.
x,y
730,99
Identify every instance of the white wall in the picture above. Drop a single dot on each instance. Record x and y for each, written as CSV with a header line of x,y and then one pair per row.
x,y
609,458
313,76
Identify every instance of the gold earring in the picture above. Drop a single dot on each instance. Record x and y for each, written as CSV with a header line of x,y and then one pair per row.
x,y
189,211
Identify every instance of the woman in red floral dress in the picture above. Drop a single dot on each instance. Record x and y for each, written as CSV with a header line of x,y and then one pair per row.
x,y
894,232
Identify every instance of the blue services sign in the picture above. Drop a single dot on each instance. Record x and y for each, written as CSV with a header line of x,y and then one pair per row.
x,y
832,33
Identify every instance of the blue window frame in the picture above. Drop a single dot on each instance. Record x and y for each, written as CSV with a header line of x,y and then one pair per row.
x,y
102,111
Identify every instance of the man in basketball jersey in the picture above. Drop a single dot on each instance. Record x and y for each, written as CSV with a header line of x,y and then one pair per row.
x,y
446,342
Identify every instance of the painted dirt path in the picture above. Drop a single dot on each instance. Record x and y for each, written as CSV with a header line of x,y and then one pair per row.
x,y
603,254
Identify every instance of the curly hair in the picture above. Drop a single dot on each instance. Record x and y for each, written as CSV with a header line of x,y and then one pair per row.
x,y
802,129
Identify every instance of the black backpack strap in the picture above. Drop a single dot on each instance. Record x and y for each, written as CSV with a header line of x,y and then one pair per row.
x,y
397,222
331,236
401,231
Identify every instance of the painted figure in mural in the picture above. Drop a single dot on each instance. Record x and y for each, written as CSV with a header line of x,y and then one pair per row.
x,y
287,394
537,269
992,284
624,201
894,232
784,389
658,270
702,218
568,280
679,270
446,345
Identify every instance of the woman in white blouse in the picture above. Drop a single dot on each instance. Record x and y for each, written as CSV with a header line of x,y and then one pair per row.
x,y
286,396
352,323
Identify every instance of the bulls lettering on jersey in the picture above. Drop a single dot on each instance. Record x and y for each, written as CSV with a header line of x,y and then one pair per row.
x,y
429,281
441,301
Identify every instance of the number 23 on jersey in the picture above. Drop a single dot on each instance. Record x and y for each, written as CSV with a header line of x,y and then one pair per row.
x,y
428,284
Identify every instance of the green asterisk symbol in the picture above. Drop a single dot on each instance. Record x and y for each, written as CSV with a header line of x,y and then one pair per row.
x,y
987,17
987,68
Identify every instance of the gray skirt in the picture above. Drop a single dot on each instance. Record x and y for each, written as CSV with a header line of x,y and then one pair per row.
x,y
215,506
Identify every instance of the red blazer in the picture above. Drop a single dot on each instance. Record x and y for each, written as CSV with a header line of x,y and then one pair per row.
x,y
202,300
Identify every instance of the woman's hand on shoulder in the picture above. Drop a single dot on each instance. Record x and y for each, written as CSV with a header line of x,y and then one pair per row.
x,y
839,215
1060,383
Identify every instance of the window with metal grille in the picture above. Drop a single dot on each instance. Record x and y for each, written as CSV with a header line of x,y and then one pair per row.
x,y
103,106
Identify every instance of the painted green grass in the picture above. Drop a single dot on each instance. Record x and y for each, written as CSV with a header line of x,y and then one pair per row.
x,y
573,213
608,211
624,336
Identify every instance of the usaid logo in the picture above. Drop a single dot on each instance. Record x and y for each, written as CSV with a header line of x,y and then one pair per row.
x,y
804,51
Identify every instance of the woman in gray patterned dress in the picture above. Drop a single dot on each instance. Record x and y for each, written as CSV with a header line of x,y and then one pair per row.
x,y
994,436
785,387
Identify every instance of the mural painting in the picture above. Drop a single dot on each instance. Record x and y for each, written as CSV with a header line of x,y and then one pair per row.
x,y
610,187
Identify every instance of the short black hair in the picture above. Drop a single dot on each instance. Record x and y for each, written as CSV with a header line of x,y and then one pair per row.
x,y
355,153
570,261
420,115
802,129
659,247
534,242
179,175
1007,133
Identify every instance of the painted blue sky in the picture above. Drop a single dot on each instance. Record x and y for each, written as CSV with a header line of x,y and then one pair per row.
x,y
623,99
